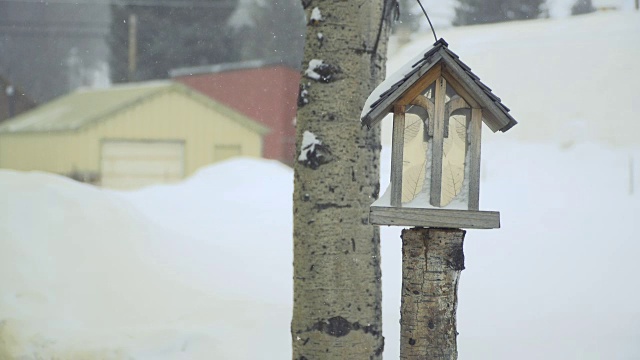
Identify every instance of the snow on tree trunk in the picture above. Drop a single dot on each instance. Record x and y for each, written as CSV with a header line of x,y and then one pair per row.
x,y
432,260
337,291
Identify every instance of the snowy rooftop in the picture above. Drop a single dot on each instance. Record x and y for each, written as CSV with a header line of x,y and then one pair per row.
x,y
219,68
381,100
84,106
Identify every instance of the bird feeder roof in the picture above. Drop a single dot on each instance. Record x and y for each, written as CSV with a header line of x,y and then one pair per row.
x,y
382,99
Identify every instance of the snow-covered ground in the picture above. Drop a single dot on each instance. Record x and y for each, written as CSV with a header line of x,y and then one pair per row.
x,y
180,272
202,269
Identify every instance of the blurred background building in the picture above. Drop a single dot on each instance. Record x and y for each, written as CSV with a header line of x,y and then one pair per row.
x,y
50,48
266,91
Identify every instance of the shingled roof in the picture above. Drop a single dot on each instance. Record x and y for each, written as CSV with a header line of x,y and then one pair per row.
x,y
381,100
85,107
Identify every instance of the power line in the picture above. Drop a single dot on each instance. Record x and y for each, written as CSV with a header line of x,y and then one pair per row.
x,y
429,20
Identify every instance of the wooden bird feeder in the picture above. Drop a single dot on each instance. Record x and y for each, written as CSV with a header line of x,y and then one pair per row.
x,y
438,108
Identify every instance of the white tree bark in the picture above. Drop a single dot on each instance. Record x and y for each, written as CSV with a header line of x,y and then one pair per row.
x,y
337,291
432,260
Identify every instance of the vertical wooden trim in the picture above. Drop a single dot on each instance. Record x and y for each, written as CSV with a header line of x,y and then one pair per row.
x,y
475,135
438,140
430,122
445,117
397,159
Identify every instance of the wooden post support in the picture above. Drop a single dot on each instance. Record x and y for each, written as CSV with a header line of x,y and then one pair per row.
x,y
432,259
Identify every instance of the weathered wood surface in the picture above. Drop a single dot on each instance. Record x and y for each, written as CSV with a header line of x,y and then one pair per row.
x,y
432,260
382,109
444,218
419,86
397,153
438,142
475,135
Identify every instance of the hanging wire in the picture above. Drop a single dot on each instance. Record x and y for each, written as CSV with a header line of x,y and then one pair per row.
x,y
429,20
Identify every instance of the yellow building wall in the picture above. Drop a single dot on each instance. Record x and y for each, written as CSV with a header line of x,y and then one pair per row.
x,y
167,116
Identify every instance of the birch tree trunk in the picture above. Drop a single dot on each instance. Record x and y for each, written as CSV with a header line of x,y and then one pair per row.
x,y
432,260
337,290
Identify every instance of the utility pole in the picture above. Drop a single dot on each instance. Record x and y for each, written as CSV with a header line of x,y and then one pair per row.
x,y
133,45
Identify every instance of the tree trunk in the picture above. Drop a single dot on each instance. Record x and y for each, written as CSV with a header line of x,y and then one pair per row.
x,y
337,292
432,260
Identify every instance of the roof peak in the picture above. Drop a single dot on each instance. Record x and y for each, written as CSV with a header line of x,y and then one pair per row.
x,y
442,42
381,100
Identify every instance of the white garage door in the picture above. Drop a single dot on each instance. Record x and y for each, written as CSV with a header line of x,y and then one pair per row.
x,y
133,164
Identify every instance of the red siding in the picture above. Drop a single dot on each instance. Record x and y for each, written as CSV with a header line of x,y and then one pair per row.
x,y
268,95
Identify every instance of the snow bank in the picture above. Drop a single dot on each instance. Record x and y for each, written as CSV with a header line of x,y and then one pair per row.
x,y
230,213
85,274
200,268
